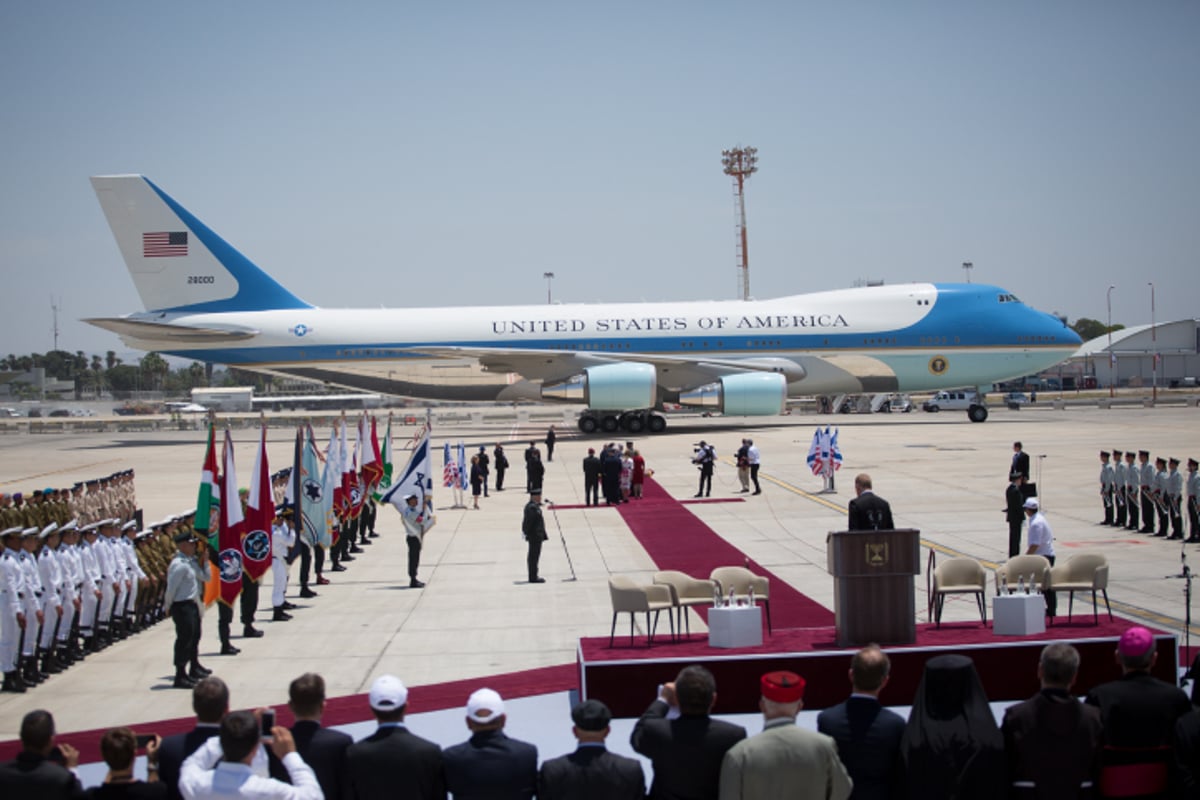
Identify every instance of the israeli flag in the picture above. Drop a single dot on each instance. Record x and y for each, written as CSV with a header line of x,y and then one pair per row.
x,y
415,478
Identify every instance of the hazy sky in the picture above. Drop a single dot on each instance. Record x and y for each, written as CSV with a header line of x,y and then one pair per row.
x,y
450,153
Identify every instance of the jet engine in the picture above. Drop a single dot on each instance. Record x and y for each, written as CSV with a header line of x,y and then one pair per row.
x,y
609,387
746,394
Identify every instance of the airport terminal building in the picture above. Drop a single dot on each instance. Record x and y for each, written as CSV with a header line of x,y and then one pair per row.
x,y
1129,359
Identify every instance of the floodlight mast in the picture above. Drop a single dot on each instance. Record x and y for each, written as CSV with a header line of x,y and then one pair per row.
x,y
740,163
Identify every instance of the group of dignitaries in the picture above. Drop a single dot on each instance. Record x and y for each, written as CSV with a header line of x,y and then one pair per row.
x,y
1133,736
1130,488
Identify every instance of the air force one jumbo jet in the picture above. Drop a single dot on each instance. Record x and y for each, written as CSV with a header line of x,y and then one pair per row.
x,y
206,301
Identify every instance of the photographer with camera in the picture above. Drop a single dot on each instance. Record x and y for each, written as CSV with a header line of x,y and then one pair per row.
x,y
704,458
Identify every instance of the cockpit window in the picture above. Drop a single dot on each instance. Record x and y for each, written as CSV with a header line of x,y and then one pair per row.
x,y
1008,298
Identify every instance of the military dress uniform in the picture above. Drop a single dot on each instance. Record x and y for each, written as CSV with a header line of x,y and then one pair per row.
x,y
12,608
110,581
1192,485
72,568
50,572
283,539
1159,493
1132,490
33,608
1107,487
1120,477
1146,491
1174,499
91,590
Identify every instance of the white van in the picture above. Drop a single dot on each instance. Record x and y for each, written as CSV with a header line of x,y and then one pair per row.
x,y
958,400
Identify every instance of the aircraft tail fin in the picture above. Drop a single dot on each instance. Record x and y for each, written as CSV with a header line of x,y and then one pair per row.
x,y
177,263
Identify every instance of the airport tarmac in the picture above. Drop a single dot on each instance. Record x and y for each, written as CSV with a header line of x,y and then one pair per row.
x,y
477,616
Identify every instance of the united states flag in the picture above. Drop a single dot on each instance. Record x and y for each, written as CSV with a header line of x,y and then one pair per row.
x,y
164,244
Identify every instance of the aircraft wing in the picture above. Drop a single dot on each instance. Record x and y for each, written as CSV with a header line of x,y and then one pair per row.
x,y
674,372
148,330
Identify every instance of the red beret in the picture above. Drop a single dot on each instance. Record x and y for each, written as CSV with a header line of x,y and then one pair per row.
x,y
782,687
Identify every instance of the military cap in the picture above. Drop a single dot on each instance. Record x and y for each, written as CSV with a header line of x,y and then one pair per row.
x,y
1117,453
49,529
1145,453
31,532
1104,454
1193,463
1173,461
128,525
185,536
70,526
11,531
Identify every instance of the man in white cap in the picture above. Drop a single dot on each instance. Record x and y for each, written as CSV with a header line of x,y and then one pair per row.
x,y
34,617
12,609
1041,543
50,572
490,764
393,762
91,590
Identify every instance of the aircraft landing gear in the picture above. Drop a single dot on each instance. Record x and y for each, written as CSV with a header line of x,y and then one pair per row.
x,y
977,413
630,421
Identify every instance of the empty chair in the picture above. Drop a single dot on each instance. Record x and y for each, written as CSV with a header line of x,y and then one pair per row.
x,y
628,597
686,591
959,576
1027,567
1083,572
742,580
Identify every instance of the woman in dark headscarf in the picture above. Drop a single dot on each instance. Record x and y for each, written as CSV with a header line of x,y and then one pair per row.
x,y
952,747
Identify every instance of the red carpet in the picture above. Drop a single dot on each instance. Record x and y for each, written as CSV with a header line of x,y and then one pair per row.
x,y
676,539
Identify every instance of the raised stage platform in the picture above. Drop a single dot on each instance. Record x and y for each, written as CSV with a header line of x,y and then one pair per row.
x,y
626,676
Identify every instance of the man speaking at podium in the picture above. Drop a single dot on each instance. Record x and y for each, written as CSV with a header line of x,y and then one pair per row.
x,y
868,511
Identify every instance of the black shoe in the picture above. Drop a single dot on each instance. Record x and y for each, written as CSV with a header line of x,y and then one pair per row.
x,y
337,568
373,535
350,558
743,491
537,580
353,549
251,632
200,670
306,592
698,495
13,683
280,615
758,491
1160,535
1193,539
288,606
416,584
183,682
1146,530
364,542
1174,537
229,650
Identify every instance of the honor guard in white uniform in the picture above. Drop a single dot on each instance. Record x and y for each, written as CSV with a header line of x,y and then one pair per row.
x,y
283,539
1132,501
1174,498
1193,501
50,571
111,582
12,609
1120,475
1158,492
1146,490
72,567
92,589
1108,480
34,618
134,574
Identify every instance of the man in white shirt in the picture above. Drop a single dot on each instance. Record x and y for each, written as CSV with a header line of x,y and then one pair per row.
x,y
1041,543
223,766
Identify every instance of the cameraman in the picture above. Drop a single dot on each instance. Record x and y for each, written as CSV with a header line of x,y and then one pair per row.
x,y
704,458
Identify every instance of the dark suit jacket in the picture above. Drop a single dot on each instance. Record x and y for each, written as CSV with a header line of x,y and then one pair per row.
x,y
325,751
1052,741
1020,463
137,790
1187,754
870,512
591,773
395,764
1139,710
175,750
686,752
32,777
491,765
868,742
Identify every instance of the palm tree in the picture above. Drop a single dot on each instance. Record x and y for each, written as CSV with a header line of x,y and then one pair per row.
x,y
155,368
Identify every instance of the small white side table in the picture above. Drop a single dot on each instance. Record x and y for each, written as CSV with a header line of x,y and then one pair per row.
x,y
735,626
1018,614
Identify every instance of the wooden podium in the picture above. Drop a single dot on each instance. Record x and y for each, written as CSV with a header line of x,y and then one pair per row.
x,y
873,594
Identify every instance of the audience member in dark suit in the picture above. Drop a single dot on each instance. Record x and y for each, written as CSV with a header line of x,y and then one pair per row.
x,y
952,748
591,772
1052,740
1138,710
867,734
1020,462
210,701
393,763
33,775
119,748
1187,754
489,764
868,511
686,752
321,748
